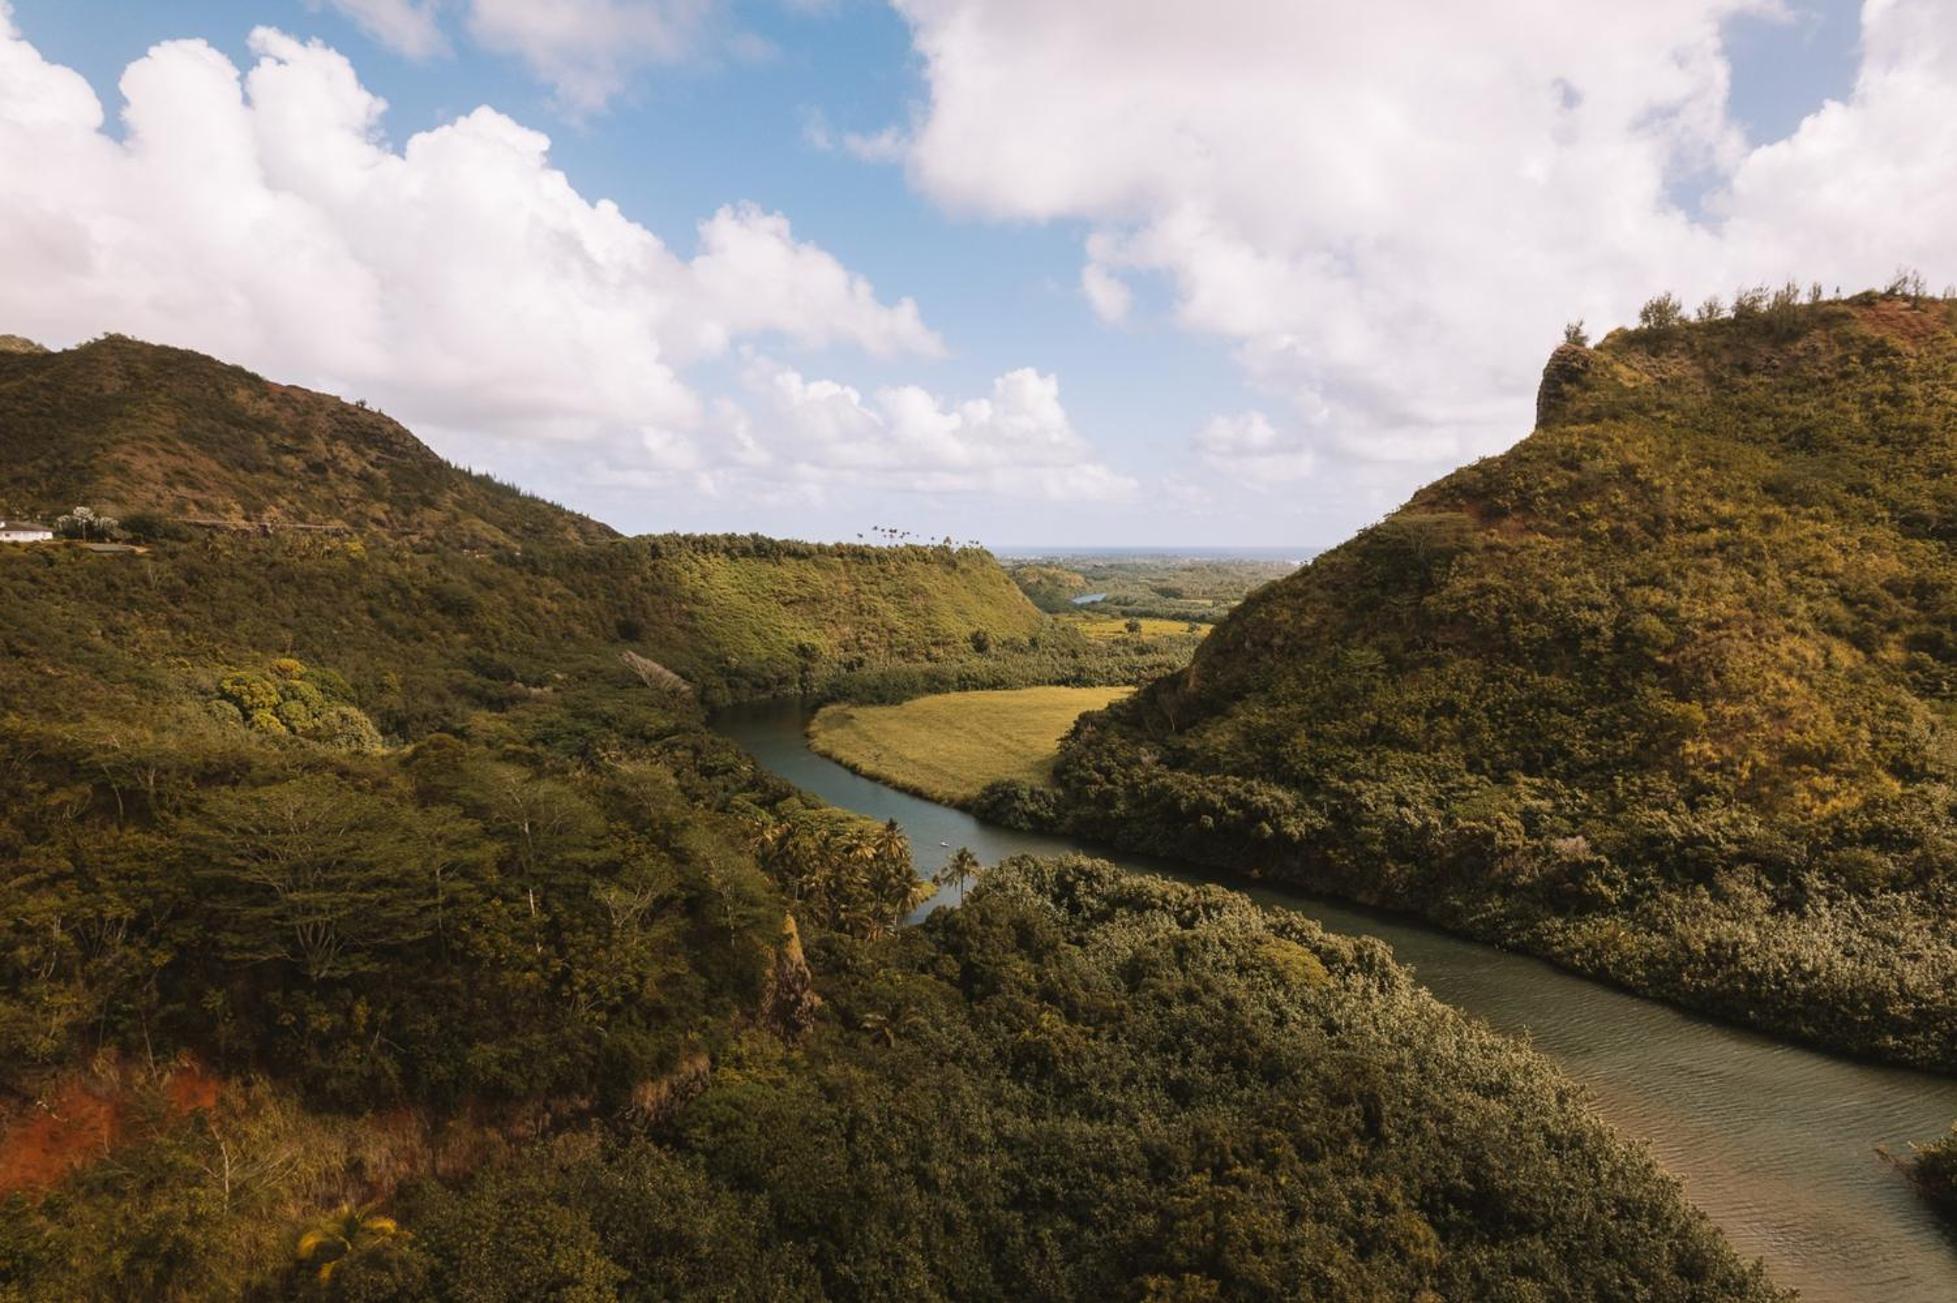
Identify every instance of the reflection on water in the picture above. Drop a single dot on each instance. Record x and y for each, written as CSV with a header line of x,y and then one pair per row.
x,y
1776,1143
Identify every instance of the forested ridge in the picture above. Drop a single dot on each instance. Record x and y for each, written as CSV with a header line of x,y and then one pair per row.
x,y
1663,693
378,919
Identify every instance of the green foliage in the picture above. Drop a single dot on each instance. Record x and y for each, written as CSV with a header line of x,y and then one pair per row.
x,y
1084,1084
1014,803
1934,1169
1664,312
1662,693
533,938
547,887
345,1236
742,617
291,699
164,435
843,871
1050,587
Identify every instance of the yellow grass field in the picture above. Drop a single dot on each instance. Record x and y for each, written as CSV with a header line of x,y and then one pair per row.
x,y
1103,628
948,747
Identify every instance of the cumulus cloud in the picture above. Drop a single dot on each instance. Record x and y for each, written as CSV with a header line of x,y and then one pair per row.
x,y
588,50
1248,446
1017,440
759,277
1388,210
460,281
408,27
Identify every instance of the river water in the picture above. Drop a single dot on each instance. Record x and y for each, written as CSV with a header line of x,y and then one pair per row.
x,y
1776,1143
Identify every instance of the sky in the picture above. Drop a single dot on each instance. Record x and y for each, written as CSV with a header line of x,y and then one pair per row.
x,y
1116,272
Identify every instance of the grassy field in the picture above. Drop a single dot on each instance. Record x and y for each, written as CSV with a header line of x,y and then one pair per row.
x,y
1105,628
948,747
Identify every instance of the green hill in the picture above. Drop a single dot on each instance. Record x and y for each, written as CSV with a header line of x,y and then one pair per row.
x,y
768,616
134,429
1663,693
178,445
378,919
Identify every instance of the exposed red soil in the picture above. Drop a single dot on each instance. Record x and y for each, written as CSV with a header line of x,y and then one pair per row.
x,y
73,1122
190,1088
54,1135
1906,320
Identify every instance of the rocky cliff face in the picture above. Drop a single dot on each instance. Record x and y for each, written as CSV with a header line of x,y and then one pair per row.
x,y
1568,367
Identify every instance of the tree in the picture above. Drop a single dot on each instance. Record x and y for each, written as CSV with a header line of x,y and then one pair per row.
x,y
981,641
1661,313
342,1235
844,871
323,875
1574,333
83,523
1133,625
961,868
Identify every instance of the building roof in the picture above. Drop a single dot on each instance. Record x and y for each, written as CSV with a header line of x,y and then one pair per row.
x,y
25,524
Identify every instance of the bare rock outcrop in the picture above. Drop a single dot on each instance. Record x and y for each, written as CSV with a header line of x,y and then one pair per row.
x,y
1568,367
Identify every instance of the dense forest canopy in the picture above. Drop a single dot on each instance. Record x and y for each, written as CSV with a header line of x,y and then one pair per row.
x,y
378,919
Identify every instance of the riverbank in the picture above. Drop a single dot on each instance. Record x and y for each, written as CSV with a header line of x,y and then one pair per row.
x,y
1774,1142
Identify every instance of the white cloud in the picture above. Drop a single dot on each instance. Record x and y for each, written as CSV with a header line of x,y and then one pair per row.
x,y
1248,446
1106,293
1017,441
408,27
460,281
886,146
754,275
1390,209
588,50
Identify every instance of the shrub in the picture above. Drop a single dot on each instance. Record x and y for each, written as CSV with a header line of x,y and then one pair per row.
x,y
1012,803
1661,313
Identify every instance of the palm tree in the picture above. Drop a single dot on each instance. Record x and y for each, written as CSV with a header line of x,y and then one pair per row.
x,y
342,1234
961,868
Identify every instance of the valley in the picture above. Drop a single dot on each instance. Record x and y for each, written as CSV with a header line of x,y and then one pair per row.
x,y
976,651
1776,1144
406,836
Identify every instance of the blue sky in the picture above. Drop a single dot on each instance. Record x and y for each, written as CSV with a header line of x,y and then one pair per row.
x,y
1202,416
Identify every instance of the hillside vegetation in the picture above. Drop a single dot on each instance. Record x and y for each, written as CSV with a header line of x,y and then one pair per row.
x,y
378,919
138,430
1663,693
1082,1085
769,617
1934,1169
159,437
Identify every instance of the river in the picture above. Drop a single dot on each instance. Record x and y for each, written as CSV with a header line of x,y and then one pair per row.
x,y
1775,1142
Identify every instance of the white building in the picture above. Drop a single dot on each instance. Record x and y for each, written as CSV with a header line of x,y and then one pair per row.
x,y
22,531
